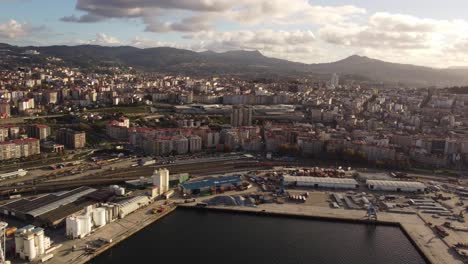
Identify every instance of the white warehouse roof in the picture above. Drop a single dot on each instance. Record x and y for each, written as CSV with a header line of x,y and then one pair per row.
x,y
396,184
320,180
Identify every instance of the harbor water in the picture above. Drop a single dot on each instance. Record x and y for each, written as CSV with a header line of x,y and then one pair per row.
x,y
197,236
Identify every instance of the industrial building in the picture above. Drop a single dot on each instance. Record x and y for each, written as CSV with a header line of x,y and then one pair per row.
x,y
161,180
58,216
202,186
30,209
174,180
129,206
320,182
395,186
31,243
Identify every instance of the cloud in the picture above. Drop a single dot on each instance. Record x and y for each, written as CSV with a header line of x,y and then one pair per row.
x,y
202,15
141,42
277,43
189,24
103,39
88,18
14,29
293,12
394,31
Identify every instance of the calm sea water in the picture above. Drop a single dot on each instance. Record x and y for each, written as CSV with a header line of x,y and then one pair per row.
x,y
192,236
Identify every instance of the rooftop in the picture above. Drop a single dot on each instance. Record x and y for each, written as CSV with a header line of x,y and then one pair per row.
x,y
211,182
46,203
320,180
396,184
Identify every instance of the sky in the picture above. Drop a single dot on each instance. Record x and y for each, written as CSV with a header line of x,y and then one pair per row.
x,y
431,33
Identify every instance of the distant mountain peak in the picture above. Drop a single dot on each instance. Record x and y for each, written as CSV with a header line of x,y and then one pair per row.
x,y
357,58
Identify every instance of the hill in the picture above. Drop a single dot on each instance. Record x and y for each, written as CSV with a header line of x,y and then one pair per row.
x,y
239,62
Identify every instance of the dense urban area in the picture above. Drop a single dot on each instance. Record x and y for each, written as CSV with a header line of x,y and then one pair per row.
x,y
83,149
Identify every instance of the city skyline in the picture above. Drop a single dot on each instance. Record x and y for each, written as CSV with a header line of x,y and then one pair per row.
x,y
430,33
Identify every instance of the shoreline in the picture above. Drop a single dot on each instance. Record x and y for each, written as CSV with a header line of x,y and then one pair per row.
x,y
411,228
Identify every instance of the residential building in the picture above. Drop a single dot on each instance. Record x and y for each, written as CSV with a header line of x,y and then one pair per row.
x,y
70,138
241,115
38,131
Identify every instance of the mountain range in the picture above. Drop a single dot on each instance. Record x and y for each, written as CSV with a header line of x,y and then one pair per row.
x,y
239,62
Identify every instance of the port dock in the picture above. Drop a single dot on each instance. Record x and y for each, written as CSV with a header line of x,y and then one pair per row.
x,y
421,236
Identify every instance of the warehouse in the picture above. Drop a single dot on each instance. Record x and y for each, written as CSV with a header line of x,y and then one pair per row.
x,y
395,186
127,207
206,185
57,217
29,209
320,182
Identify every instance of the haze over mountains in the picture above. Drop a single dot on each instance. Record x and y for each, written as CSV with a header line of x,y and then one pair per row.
x,y
251,63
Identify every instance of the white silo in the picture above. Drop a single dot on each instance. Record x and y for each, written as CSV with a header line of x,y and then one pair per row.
x,y
29,247
99,217
19,242
164,180
120,191
85,225
72,227
40,241
156,178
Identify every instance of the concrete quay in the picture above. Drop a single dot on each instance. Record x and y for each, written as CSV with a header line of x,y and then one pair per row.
x,y
433,248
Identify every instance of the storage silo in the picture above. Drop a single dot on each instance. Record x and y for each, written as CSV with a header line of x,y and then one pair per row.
x,y
19,243
84,225
29,247
39,232
120,191
72,227
99,217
